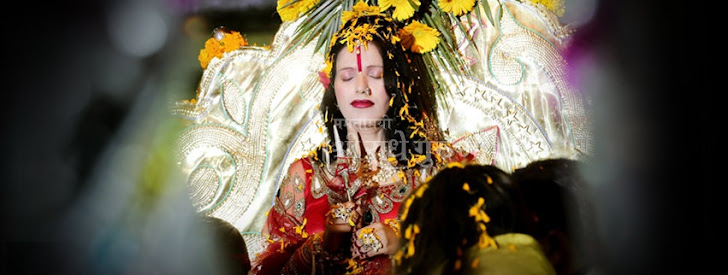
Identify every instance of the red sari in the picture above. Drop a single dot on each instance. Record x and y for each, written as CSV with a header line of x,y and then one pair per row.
x,y
296,222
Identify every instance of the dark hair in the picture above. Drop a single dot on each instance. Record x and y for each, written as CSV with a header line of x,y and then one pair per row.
x,y
442,214
555,199
405,79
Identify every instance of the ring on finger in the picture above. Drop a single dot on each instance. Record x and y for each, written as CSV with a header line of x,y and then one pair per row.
x,y
370,240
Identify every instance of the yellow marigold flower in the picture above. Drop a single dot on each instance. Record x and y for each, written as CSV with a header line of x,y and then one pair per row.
x,y
456,7
556,6
403,9
419,37
233,41
360,9
216,48
290,10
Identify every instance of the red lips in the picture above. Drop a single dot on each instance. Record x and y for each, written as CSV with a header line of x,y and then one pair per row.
x,y
362,103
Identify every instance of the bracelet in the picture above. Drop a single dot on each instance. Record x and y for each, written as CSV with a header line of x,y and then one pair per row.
x,y
339,211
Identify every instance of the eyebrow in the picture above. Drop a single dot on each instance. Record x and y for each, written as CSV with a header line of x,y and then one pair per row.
x,y
352,68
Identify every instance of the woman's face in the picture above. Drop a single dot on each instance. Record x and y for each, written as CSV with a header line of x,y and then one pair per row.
x,y
352,81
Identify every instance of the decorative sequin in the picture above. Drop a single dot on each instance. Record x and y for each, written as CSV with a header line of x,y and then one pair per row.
x,y
298,184
299,208
287,200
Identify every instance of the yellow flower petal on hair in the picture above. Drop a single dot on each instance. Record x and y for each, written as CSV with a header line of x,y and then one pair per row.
x,y
489,180
419,37
360,9
410,249
408,232
398,257
421,190
455,164
466,187
475,209
405,211
456,7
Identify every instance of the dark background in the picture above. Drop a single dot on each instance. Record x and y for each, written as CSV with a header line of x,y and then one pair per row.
x,y
58,119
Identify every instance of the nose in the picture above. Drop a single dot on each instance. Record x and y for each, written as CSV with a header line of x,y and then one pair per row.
x,y
361,82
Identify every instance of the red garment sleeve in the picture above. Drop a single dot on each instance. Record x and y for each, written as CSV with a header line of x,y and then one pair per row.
x,y
284,227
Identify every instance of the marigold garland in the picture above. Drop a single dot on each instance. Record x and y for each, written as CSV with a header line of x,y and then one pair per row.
x,y
216,48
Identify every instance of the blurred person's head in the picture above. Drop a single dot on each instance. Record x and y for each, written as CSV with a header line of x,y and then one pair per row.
x,y
557,210
458,208
232,247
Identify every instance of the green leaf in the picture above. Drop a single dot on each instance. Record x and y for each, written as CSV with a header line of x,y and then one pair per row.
x,y
486,7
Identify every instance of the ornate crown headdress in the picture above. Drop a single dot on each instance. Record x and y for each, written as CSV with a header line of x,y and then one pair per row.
x,y
428,27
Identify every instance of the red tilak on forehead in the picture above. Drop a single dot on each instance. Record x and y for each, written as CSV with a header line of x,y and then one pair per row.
x,y
358,57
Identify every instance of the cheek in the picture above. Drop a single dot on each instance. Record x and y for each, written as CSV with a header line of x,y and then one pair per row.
x,y
338,90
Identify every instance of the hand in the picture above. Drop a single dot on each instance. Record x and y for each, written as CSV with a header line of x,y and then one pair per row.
x,y
341,220
343,217
374,239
